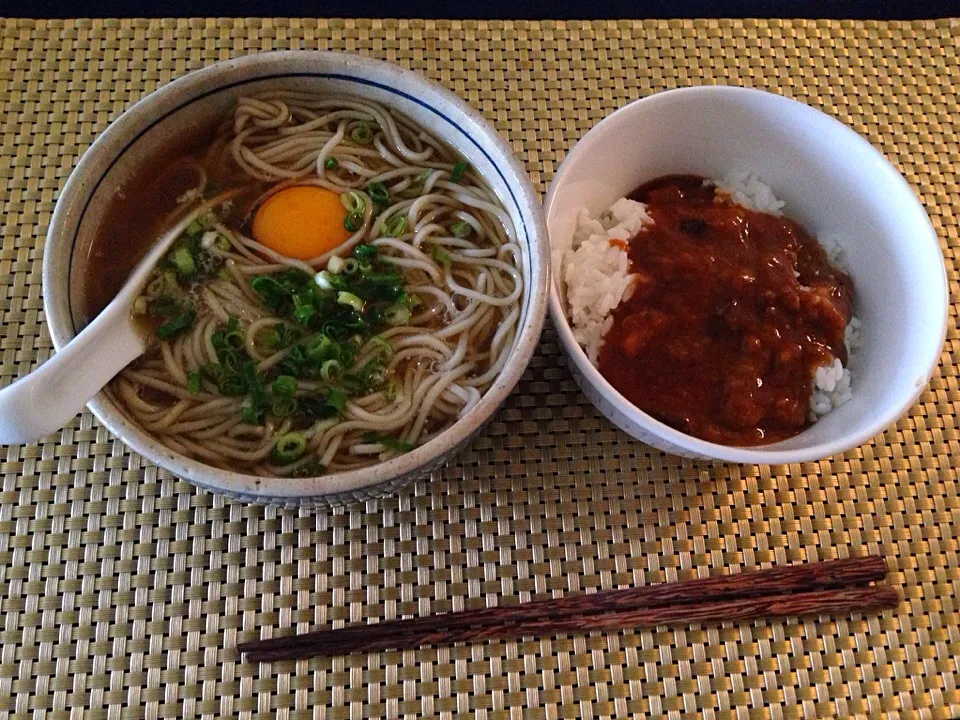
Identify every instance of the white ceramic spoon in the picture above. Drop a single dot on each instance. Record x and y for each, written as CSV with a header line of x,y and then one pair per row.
x,y
46,399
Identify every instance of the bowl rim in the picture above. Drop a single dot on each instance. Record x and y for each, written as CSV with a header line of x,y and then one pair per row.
x,y
729,453
351,484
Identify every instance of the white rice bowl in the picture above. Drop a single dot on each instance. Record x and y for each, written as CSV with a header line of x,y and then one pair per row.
x,y
596,275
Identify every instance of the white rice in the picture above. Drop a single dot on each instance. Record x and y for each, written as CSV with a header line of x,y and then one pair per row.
x,y
597,272
597,278
745,189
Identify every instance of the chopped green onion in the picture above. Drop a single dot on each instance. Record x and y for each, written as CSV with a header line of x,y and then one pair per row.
x,y
461,229
222,243
279,336
378,193
334,264
395,226
337,399
353,221
232,385
331,163
165,283
385,348
284,385
194,229
283,406
458,170
251,415
233,331
390,443
324,280
330,370
183,261
322,348
209,239
440,255
252,378
288,448
353,202
350,266
193,383
365,251
176,325
140,306
346,298
415,188
303,307
396,315
362,134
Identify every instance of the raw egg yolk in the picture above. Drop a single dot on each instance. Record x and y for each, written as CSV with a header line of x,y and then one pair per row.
x,y
301,222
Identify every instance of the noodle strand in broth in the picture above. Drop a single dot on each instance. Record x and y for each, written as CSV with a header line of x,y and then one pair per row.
x,y
279,365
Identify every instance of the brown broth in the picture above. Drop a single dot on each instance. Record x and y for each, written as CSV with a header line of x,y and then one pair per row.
x,y
720,338
146,205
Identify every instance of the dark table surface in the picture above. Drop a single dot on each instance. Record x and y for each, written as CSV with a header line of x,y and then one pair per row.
x,y
485,9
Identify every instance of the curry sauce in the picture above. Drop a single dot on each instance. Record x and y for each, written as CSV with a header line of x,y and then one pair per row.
x,y
731,312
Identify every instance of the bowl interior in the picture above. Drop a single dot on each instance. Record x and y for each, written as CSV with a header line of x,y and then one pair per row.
x,y
198,101
833,182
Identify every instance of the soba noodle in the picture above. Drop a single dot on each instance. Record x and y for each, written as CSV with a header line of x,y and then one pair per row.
x,y
224,385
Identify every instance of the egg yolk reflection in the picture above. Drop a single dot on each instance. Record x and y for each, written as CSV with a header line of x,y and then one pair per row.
x,y
301,222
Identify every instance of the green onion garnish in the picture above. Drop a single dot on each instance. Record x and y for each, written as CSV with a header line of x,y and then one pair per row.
x,y
194,229
193,383
346,298
378,193
353,221
279,336
324,279
353,202
183,261
303,307
283,406
395,226
350,266
385,348
365,251
284,385
458,170
337,399
176,325
251,415
440,255
258,398
461,229
396,315
362,134
391,443
331,163
330,370
288,448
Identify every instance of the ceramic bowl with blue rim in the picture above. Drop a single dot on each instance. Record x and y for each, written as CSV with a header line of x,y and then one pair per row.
x,y
197,100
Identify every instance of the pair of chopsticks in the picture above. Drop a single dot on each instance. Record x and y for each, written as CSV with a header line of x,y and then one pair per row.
x,y
834,587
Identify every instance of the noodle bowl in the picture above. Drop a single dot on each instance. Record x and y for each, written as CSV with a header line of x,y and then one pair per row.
x,y
283,365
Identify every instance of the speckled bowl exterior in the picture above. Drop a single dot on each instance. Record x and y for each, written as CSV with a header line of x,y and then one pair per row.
x,y
194,101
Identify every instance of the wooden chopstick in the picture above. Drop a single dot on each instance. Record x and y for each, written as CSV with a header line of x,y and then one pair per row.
x,y
687,601
817,602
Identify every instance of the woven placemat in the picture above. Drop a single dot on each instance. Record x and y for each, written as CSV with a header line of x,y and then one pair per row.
x,y
123,590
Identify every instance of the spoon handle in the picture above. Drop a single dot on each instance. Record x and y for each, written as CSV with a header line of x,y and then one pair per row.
x,y
46,399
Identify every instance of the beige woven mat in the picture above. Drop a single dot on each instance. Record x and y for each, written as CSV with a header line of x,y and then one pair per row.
x,y
123,590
